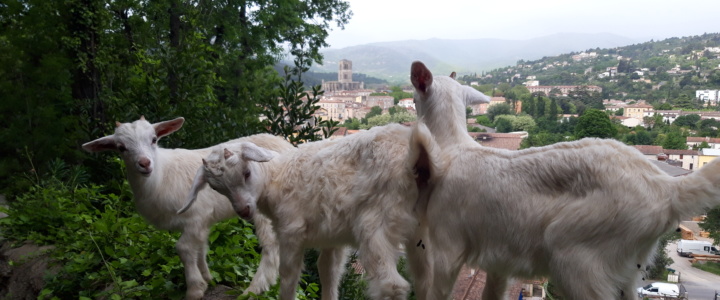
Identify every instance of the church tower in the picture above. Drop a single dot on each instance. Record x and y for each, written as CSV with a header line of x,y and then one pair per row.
x,y
345,71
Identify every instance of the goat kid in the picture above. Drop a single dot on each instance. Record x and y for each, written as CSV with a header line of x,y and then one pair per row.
x,y
160,178
359,191
559,211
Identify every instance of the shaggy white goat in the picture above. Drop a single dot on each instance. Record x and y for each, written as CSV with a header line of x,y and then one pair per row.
x,y
160,178
359,191
588,213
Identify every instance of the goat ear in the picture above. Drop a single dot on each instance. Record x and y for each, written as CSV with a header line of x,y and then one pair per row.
x,y
231,159
252,152
453,75
473,96
167,127
420,76
227,153
101,144
198,184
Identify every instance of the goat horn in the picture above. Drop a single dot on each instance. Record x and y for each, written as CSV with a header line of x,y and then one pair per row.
x,y
117,124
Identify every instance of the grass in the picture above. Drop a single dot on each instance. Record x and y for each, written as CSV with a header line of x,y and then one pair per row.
x,y
712,267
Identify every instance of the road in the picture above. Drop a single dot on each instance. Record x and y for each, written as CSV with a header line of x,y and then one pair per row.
x,y
700,285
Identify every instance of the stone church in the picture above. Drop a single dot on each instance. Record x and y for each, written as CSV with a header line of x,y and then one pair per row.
x,y
344,82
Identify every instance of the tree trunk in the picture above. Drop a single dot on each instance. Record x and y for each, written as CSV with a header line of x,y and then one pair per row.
x,y
173,85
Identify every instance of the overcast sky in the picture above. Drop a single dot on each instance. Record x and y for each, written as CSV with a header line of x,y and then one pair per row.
x,y
393,20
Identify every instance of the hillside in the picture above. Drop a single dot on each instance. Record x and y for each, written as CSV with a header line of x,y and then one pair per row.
x,y
391,60
654,70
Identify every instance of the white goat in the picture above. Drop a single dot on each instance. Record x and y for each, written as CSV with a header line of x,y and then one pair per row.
x,y
359,190
587,213
160,178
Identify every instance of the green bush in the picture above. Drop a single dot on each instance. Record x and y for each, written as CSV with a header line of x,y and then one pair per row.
x,y
105,250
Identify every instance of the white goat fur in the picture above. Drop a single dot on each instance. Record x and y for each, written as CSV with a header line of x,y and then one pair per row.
x,y
586,213
356,191
160,179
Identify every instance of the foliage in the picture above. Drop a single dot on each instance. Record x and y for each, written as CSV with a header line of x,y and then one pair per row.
x,y
703,145
594,123
484,120
499,109
711,224
639,137
674,140
658,268
518,123
542,139
398,94
689,121
384,119
208,61
99,235
374,111
503,125
293,117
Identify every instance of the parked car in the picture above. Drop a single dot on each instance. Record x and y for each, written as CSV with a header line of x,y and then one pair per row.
x,y
687,248
662,289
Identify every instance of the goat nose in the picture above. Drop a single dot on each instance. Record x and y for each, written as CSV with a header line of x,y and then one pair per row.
x,y
144,162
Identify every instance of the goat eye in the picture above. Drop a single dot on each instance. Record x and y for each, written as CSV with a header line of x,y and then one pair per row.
x,y
247,175
121,148
154,140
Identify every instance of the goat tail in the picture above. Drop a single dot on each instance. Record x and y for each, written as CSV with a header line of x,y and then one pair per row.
x,y
426,161
700,190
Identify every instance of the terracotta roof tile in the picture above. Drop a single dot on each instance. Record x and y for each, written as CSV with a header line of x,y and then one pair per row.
x,y
649,149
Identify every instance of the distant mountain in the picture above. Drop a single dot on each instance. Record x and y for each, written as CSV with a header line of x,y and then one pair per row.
x,y
391,60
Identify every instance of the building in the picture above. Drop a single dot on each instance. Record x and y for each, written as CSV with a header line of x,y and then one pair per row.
x,y
650,151
695,141
384,102
344,82
334,109
707,96
564,89
706,156
636,110
688,158
407,103
481,108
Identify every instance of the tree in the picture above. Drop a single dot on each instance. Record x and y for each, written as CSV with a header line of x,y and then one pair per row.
x,y
553,111
529,107
683,101
703,145
620,112
374,111
711,224
209,61
499,109
484,120
664,106
380,120
674,140
503,125
594,123
689,121
540,107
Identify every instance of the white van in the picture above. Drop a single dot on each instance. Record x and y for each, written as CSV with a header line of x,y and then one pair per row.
x,y
686,248
661,289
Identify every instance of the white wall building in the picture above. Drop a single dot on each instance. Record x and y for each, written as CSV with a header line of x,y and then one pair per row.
x,y
708,96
